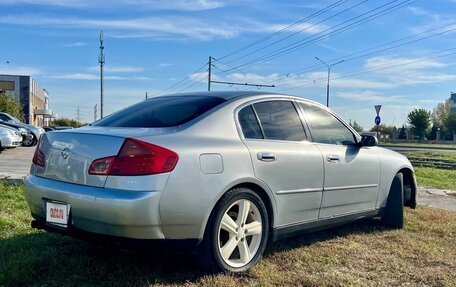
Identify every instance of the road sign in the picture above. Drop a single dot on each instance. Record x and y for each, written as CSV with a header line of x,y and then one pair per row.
x,y
377,109
377,120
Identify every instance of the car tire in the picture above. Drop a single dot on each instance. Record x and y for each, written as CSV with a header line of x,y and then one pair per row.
x,y
394,211
228,244
31,142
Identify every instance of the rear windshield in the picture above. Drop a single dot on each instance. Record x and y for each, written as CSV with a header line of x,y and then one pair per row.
x,y
161,112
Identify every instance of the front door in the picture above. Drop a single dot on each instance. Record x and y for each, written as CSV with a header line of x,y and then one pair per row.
x,y
351,172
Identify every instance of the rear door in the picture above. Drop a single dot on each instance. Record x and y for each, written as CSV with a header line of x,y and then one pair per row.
x,y
351,172
283,158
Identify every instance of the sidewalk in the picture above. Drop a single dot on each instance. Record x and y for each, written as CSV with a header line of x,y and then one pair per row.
x,y
438,198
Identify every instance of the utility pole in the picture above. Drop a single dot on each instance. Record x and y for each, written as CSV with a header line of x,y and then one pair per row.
x,y
95,113
78,115
146,96
209,74
101,60
329,73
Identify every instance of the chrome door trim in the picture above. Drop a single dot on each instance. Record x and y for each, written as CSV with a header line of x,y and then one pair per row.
x,y
293,191
350,187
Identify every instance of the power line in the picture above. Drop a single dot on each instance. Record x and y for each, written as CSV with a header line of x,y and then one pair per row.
x,y
381,67
234,68
181,81
297,23
298,32
351,57
321,35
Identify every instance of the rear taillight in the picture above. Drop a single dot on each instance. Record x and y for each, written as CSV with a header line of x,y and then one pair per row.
x,y
102,166
38,158
136,158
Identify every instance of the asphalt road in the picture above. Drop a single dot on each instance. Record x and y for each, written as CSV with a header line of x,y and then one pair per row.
x,y
15,163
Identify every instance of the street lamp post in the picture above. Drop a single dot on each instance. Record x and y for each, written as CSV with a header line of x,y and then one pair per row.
x,y
329,73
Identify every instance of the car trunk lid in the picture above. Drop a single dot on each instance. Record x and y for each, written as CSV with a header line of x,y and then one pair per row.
x,y
68,154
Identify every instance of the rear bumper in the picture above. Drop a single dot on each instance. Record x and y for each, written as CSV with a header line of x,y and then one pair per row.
x,y
113,212
159,245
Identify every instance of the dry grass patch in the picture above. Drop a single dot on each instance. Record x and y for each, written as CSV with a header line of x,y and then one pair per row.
x,y
359,254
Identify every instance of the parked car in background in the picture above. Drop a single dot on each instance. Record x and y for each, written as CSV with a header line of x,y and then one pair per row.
x,y
48,129
59,128
221,173
9,138
35,130
27,136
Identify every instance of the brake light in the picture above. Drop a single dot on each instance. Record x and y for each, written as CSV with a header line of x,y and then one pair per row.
x,y
136,158
38,158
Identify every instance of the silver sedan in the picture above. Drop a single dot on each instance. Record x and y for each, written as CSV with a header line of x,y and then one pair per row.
x,y
219,173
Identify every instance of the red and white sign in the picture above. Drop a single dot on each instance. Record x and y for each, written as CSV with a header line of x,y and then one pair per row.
x,y
57,213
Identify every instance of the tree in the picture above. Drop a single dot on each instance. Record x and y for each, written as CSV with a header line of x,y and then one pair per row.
x,y
420,119
66,122
440,113
383,129
357,127
450,124
402,133
10,103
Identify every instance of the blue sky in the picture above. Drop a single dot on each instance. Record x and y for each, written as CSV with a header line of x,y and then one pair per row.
x,y
400,54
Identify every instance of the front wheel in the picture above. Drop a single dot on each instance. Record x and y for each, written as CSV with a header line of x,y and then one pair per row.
x,y
394,211
236,234
29,140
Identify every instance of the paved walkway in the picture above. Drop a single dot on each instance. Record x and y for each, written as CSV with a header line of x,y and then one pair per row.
x,y
438,198
15,165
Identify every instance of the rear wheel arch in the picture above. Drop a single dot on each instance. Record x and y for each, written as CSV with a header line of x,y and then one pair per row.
x,y
206,256
264,197
256,188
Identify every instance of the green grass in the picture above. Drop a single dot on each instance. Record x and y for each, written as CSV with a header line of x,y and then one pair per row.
x,y
427,154
436,178
358,254
424,145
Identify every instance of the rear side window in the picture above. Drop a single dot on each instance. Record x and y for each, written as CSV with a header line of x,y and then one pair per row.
x,y
280,121
249,124
161,112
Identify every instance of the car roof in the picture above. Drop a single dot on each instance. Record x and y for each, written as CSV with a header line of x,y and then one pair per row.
x,y
228,95
231,95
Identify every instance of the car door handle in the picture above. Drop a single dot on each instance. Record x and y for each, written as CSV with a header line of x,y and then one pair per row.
x,y
333,158
266,156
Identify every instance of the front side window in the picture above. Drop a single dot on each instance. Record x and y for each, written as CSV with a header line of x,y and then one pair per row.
x,y
326,128
280,121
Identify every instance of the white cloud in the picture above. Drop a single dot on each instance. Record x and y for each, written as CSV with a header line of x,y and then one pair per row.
x,y
398,63
62,3
74,45
141,27
117,69
370,96
9,69
162,65
180,5
408,71
183,5
84,76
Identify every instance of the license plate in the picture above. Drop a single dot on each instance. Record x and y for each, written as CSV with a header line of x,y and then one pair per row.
x,y
57,213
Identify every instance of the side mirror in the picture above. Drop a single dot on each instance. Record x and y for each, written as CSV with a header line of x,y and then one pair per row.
x,y
368,140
